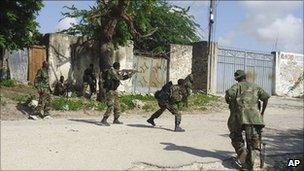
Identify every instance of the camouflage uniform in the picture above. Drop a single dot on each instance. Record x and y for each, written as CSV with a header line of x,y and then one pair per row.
x,y
243,99
112,98
89,80
170,104
59,88
42,84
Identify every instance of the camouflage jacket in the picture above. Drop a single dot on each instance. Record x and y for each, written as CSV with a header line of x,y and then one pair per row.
x,y
42,79
243,99
176,94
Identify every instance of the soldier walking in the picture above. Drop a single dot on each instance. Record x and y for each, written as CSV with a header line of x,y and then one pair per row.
x,y
243,99
112,78
168,98
41,83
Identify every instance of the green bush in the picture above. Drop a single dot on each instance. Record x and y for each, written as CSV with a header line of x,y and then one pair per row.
x,y
200,100
8,83
21,98
127,104
150,106
67,104
76,104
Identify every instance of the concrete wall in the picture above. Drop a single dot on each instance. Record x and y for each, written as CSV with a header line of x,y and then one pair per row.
x,y
200,66
288,74
180,65
69,56
59,55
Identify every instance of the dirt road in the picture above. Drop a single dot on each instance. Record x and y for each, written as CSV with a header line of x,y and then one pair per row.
x,y
80,143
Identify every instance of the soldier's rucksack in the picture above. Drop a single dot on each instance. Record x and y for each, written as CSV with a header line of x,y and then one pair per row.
x,y
109,83
165,93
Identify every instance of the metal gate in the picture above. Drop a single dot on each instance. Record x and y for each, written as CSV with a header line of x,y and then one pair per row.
x,y
258,66
152,74
18,65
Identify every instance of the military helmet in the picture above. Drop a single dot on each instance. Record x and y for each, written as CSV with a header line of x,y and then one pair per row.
x,y
239,73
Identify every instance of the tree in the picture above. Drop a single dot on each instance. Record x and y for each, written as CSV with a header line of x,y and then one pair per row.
x,y
151,24
18,28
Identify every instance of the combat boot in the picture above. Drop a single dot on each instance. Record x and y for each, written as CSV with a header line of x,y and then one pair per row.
x,y
151,121
116,121
178,128
104,122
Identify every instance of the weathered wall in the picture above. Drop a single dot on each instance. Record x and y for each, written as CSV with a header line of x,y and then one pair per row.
x,y
152,73
69,56
59,53
18,65
180,62
288,74
125,56
200,66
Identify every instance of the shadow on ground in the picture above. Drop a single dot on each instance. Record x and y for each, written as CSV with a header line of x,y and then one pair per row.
x,y
227,161
89,121
148,126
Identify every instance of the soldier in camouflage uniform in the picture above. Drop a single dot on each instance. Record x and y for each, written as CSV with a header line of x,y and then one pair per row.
x,y
42,84
60,87
112,78
186,88
170,102
89,80
243,99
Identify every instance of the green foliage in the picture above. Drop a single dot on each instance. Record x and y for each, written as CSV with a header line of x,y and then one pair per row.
x,y
21,98
8,83
127,104
150,106
200,100
18,23
169,24
76,104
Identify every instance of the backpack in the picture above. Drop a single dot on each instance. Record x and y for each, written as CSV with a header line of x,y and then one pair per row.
x,y
110,82
165,93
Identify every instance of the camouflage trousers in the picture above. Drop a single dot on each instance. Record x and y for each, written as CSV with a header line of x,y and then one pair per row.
x,y
44,103
252,135
113,105
172,107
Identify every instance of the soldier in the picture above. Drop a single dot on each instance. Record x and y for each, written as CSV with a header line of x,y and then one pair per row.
x,y
42,84
89,80
168,98
111,78
60,87
186,88
243,98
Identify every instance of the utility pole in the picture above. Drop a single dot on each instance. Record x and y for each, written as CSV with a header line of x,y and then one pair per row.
x,y
211,21
209,50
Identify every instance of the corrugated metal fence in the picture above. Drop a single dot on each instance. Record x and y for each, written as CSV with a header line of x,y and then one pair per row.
x,y
258,66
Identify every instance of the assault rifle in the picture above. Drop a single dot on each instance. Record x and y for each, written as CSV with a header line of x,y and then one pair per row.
x,y
128,72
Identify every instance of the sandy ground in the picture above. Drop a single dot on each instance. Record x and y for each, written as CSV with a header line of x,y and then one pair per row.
x,y
82,144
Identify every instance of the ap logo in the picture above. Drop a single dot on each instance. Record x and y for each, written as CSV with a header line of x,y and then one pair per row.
x,y
293,162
